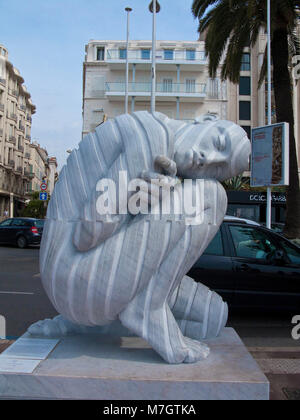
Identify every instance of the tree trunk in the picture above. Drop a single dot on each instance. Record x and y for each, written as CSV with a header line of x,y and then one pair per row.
x,y
284,112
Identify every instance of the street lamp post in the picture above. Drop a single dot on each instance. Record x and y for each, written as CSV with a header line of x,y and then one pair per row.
x,y
269,192
128,10
154,8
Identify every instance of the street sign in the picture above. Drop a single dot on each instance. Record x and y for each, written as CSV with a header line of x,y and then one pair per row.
x,y
43,196
43,186
270,155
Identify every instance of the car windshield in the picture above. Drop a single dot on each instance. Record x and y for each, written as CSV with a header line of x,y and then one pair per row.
x,y
39,223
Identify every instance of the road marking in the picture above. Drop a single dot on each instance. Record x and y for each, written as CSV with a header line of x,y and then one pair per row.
x,y
16,293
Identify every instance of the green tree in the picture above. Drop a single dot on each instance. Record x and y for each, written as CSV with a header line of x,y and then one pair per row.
x,y
35,208
229,24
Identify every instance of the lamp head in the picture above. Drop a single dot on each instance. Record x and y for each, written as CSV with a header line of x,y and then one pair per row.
x,y
157,7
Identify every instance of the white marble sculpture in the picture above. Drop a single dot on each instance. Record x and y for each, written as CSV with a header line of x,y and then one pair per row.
x,y
130,270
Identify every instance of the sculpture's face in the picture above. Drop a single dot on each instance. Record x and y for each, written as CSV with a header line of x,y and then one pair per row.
x,y
218,150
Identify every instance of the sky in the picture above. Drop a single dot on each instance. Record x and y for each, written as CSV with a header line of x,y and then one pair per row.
x,y
46,41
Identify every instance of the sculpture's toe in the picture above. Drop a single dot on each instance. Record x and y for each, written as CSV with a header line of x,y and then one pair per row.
x,y
55,327
196,350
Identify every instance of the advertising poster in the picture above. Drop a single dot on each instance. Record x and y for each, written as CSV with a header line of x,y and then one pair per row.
x,y
270,155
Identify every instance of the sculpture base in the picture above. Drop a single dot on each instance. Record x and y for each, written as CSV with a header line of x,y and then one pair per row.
x,y
112,368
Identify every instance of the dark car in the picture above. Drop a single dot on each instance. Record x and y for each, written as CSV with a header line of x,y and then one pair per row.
x,y
251,266
21,231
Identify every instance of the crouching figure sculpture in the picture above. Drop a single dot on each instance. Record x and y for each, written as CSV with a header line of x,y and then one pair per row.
x,y
127,267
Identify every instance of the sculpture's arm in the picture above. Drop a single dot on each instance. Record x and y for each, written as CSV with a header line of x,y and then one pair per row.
x,y
107,209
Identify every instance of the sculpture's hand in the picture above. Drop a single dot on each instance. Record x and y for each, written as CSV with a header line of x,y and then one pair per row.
x,y
165,165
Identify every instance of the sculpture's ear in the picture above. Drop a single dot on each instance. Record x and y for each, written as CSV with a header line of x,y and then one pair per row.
x,y
202,119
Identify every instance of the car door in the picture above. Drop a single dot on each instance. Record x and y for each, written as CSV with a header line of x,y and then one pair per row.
x,y
261,277
214,267
5,231
19,227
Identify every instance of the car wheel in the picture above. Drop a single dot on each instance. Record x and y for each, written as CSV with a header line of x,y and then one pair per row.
x,y
21,242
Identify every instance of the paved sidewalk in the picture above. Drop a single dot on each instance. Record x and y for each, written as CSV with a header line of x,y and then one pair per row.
x,y
281,365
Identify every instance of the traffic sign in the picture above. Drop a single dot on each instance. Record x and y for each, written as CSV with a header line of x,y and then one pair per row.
x,y
43,196
43,186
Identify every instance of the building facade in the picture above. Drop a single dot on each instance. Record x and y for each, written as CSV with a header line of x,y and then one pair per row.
x,y
183,88
42,169
18,156
16,110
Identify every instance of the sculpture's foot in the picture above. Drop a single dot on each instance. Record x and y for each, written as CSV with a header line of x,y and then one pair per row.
x,y
160,329
59,326
55,327
200,312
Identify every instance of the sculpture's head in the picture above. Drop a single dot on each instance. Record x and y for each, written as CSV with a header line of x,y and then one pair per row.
x,y
211,148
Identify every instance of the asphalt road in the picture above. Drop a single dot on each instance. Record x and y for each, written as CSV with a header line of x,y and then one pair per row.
x,y
23,301
22,297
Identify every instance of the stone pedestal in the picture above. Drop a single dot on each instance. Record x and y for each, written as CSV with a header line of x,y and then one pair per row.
x,y
112,368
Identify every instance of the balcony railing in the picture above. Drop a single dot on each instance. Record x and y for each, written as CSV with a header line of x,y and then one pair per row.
x,y
27,155
21,148
22,107
11,163
19,169
12,139
1,107
161,88
21,127
167,55
28,137
13,117
13,92
28,117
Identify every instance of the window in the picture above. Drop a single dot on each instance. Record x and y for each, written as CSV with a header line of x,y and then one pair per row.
x,y
246,65
245,85
247,128
122,54
18,222
216,246
190,54
100,53
292,253
168,54
145,54
167,85
245,110
246,211
6,223
190,85
251,242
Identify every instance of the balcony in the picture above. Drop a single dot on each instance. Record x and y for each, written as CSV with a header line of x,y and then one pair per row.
x,y
13,92
3,82
164,91
22,108
13,117
11,163
165,59
28,118
19,169
12,139
27,155
28,137
21,127
20,148
2,107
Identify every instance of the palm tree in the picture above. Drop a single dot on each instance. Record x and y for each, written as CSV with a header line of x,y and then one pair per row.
x,y
229,24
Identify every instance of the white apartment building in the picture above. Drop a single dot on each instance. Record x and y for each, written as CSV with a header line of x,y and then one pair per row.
x,y
183,88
